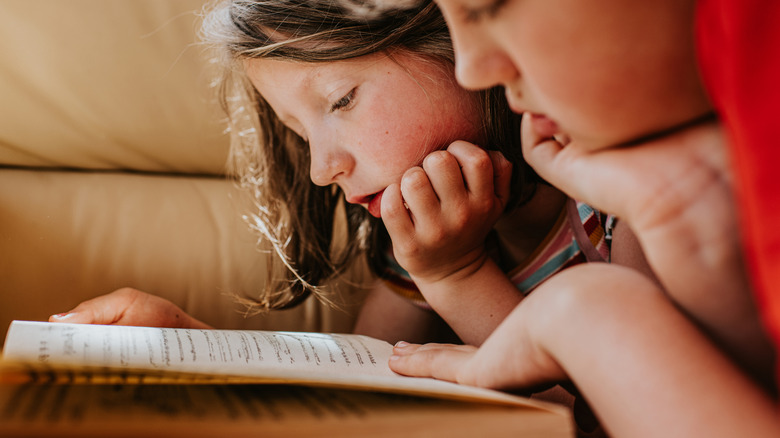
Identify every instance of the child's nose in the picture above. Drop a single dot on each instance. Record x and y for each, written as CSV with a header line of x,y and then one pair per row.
x,y
480,64
328,163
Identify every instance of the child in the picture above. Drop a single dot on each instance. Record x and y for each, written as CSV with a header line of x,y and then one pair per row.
x,y
619,119
336,108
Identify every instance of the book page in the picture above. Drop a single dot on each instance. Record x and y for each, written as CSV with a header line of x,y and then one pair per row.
x,y
319,359
224,352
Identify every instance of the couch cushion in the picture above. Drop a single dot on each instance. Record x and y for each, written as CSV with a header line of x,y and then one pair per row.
x,y
71,236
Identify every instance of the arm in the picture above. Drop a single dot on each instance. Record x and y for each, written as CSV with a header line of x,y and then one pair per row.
x,y
391,317
130,307
642,366
473,301
438,219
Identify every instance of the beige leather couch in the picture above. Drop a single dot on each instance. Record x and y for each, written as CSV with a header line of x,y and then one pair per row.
x,y
112,160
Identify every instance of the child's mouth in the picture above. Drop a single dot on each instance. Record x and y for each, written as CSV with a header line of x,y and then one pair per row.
x,y
544,126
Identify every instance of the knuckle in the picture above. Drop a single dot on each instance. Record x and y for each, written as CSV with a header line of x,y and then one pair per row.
x,y
461,146
481,160
437,159
127,292
390,209
484,206
413,179
437,235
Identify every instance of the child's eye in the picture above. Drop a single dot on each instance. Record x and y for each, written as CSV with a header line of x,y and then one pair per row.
x,y
477,14
345,102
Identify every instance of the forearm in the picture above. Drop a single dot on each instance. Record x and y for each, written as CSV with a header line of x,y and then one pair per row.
x,y
644,368
473,303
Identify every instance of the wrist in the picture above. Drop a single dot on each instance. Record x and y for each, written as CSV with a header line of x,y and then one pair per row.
x,y
456,271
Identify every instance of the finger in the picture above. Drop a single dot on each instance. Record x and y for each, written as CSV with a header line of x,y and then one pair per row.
x,y
539,152
444,173
476,167
419,196
442,362
395,216
502,177
403,348
72,318
105,309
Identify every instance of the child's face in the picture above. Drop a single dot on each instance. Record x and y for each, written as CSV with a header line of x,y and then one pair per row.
x,y
603,72
369,119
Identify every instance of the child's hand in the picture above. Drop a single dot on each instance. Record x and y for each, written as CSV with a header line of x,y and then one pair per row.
x,y
439,215
516,355
129,307
486,367
675,194
681,177
672,191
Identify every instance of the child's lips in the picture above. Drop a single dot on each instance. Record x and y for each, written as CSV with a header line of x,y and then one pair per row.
x,y
372,203
544,126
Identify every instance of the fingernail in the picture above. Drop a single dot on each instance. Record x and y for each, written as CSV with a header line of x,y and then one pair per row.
x,y
401,344
62,316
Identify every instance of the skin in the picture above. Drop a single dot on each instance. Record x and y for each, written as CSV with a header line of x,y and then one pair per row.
x,y
129,306
624,133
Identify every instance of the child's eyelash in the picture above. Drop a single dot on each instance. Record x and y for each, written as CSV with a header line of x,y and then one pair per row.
x,y
345,102
488,11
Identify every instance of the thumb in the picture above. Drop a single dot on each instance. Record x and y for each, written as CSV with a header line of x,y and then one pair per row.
x,y
105,309
539,152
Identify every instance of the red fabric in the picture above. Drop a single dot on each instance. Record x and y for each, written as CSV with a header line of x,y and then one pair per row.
x,y
739,50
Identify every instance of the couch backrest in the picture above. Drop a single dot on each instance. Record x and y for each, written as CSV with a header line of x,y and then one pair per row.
x,y
107,84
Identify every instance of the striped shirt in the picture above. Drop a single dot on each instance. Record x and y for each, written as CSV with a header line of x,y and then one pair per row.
x,y
581,234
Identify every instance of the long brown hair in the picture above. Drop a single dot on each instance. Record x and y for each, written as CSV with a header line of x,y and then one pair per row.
x,y
272,163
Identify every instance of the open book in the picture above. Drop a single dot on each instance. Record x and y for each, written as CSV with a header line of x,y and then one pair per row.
x,y
195,373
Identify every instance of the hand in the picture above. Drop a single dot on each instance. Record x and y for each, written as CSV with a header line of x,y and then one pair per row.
x,y
675,194
514,355
440,213
129,307
486,367
648,184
